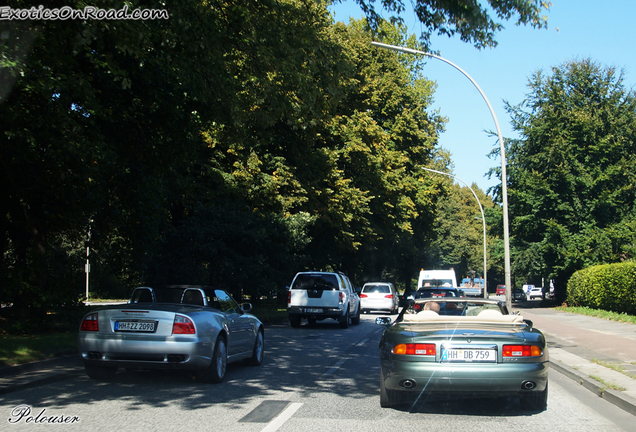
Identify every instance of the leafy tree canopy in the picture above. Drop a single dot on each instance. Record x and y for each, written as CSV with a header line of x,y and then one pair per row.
x,y
474,21
573,169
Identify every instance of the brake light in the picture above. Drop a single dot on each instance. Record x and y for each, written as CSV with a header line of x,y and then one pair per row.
x,y
388,296
289,297
90,323
183,325
521,351
363,296
414,349
342,297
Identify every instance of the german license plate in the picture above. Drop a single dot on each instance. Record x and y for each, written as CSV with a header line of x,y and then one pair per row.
x,y
136,326
314,310
470,355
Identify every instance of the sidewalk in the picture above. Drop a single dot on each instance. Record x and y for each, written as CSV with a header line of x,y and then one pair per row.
x,y
597,353
581,348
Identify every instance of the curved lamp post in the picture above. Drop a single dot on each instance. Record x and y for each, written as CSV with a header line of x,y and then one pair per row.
x,y
502,150
483,219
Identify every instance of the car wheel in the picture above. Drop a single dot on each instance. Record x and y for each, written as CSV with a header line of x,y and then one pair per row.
x,y
385,400
294,320
537,401
216,371
98,372
259,348
390,398
355,320
344,320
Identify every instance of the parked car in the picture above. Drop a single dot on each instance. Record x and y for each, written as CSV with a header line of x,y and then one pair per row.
x,y
379,296
536,292
483,352
322,295
518,295
501,290
201,329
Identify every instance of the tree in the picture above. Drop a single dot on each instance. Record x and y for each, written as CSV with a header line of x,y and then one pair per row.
x,y
470,19
572,171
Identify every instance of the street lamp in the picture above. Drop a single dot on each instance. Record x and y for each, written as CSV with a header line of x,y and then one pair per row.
x,y
483,219
502,150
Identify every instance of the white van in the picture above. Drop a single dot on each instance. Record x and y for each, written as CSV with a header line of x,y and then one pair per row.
x,y
437,278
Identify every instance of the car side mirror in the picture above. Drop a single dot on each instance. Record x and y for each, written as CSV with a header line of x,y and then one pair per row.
x,y
385,321
247,307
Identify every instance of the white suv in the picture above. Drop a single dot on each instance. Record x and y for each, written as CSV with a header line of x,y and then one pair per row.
x,y
379,296
535,293
320,295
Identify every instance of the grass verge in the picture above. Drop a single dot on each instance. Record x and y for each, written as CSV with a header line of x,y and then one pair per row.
x,y
612,316
16,350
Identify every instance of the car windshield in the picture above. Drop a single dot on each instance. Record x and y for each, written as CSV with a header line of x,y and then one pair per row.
x,y
434,293
382,289
316,281
436,283
456,307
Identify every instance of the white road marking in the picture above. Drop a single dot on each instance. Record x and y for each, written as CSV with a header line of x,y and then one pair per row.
x,y
282,417
336,366
362,342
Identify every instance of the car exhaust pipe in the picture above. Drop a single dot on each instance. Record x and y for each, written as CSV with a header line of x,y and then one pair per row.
x,y
93,355
408,383
528,385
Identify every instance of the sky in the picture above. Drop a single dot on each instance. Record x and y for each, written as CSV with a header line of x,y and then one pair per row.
x,y
602,31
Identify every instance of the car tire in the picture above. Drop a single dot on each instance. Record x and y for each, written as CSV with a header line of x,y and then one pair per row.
x,y
259,349
390,398
98,372
355,320
537,401
344,320
385,400
294,320
216,371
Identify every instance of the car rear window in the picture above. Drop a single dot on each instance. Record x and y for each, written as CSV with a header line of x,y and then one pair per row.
x,y
328,282
384,289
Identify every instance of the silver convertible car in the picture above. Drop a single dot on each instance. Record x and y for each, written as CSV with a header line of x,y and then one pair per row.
x,y
462,348
200,329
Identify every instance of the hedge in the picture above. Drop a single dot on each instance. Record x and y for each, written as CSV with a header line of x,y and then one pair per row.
x,y
610,287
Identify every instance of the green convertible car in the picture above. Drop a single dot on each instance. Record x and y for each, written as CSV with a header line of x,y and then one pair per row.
x,y
458,347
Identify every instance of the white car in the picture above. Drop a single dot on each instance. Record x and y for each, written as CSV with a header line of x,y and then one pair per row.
x,y
536,292
379,296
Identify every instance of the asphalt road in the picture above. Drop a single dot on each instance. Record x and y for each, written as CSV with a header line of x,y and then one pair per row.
x,y
312,379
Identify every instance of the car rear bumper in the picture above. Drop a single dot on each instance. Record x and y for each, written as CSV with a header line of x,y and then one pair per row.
x,y
484,379
376,304
170,353
316,312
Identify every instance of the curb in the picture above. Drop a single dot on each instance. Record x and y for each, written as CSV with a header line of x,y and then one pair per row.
x,y
624,402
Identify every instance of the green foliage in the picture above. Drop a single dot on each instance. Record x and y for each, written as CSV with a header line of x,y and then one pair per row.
x,y
469,19
571,174
609,287
231,144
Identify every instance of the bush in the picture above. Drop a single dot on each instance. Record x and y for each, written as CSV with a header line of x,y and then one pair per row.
x,y
609,287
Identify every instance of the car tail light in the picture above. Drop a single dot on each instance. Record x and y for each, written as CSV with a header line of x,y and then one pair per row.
x,y
342,297
414,349
363,296
183,325
522,351
289,297
90,323
389,296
